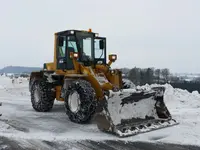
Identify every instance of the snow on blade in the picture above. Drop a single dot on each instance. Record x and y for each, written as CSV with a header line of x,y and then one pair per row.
x,y
140,109
147,129
128,83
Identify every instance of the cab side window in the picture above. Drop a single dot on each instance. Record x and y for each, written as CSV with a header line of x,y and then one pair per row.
x,y
61,46
99,51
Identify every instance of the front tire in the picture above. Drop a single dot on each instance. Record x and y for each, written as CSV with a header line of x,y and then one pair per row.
x,y
42,96
80,102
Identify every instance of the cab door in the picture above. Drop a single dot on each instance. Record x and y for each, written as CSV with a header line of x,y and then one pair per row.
x,y
100,50
61,53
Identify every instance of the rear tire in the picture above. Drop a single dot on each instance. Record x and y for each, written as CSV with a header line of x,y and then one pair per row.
x,y
80,102
42,96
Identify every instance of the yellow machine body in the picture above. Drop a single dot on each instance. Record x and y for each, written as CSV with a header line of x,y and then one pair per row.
x,y
80,71
120,111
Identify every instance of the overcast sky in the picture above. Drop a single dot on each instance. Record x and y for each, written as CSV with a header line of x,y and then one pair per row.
x,y
143,33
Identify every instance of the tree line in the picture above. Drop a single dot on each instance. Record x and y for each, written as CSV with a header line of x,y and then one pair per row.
x,y
141,76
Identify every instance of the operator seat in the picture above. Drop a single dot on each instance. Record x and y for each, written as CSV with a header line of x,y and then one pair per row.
x,y
70,64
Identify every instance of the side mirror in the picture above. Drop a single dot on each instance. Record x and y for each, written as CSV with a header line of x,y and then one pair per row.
x,y
60,41
101,44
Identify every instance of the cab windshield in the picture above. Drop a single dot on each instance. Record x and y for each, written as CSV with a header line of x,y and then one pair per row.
x,y
85,42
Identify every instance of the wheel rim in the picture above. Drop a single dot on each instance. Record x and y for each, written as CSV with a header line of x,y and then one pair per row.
x,y
74,102
36,95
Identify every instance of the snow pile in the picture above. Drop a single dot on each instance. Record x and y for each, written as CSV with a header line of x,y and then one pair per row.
x,y
185,108
19,120
175,97
14,86
4,81
7,82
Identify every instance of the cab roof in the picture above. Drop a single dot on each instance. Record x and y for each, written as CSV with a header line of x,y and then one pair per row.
x,y
72,31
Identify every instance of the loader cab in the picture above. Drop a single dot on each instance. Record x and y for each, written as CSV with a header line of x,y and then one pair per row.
x,y
90,48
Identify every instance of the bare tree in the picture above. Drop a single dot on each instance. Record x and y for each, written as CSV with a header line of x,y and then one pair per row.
x,y
149,75
157,75
165,73
134,75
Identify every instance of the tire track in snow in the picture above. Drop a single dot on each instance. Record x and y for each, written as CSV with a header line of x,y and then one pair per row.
x,y
10,144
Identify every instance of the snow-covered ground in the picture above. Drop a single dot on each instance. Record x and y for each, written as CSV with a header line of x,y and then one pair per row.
x,y
19,120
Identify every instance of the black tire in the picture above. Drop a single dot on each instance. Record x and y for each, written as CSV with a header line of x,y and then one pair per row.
x,y
30,84
87,105
45,100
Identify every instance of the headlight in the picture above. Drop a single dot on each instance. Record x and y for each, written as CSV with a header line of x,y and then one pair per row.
x,y
96,34
112,57
73,55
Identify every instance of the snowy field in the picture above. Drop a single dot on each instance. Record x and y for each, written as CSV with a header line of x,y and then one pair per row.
x,y
19,122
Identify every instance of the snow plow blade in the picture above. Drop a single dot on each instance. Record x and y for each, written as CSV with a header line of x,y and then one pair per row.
x,y
130,112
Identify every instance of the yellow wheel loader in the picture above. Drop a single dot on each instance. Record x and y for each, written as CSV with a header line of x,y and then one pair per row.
x,y
82,77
